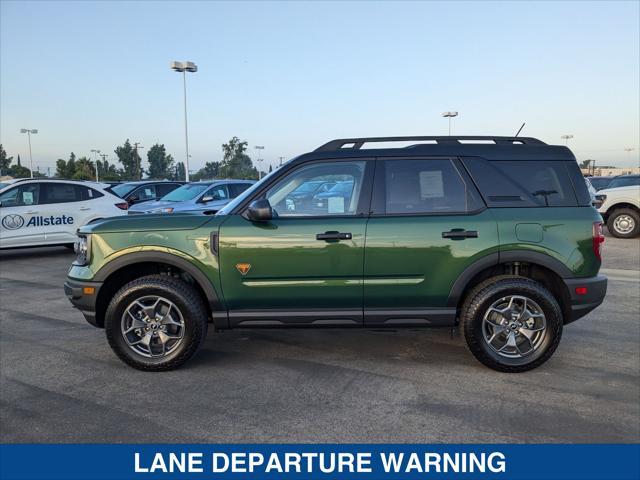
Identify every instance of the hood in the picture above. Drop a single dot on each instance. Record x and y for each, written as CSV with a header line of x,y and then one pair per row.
x,y
148,223
152,204
627,189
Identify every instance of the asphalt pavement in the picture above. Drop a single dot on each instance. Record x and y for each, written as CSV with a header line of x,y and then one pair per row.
x,y
60,382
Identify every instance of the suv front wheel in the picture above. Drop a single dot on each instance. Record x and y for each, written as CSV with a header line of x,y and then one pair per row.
x,y
511,324
156,323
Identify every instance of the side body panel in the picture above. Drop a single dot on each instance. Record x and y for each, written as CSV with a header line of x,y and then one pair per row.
x,y
410,268
563,233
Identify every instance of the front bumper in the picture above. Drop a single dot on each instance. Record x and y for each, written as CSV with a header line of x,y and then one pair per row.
x,y
83,295
581,304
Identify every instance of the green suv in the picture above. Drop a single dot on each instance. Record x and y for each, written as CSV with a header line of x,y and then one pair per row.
x,y
496,235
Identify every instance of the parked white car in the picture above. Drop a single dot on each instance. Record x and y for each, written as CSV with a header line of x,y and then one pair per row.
x,y
37,212
619,205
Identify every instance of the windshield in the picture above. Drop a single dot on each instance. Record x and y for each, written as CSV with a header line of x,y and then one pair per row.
x,y
123,189
186,192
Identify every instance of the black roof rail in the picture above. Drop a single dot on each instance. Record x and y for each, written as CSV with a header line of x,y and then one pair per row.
x,y
357,143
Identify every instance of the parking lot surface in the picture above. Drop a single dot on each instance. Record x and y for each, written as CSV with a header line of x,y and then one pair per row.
x,y
60,382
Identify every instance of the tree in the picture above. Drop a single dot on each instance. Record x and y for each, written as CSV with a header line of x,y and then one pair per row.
x,y
70,170
235,162
179,172
85,170
5,161
209,171
107,171
160,164
61,168
130,161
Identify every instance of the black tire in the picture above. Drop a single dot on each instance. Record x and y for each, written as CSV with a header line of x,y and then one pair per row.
x,y
483,296
187,301
632,218
69,246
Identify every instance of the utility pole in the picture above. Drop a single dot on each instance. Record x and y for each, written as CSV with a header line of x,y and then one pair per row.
x,y
136,146
259,160
96,152
566,138
281,159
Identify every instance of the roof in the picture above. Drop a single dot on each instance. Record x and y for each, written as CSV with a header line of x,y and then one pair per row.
x,y
488,147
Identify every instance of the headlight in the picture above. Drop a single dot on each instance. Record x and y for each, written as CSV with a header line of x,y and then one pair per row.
x,y
600,199
82,247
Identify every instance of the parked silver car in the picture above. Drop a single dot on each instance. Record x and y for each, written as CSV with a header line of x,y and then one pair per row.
x,y
205,196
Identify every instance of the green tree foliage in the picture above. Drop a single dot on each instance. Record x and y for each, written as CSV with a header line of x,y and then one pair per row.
x,y
235,162
130,161
85,169
5,162
209,171
107,171
160,164
179,172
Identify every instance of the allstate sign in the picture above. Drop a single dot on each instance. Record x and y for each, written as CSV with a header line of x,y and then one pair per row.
x,y
12,222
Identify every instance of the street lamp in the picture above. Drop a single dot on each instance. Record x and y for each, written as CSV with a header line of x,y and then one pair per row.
x,y
566,138
449,115
29,132
185,67
259,148
98,153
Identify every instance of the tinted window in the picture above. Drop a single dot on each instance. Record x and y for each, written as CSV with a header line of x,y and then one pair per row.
x,y
219,192
624,182
547,183
60,193
89,193
237,188
21,196
426,186
164,188
144,193
600,182
340,202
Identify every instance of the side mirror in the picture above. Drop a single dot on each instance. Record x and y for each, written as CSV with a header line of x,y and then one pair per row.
x,y
260,211
207,198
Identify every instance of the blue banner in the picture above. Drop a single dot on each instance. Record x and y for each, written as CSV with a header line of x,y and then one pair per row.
x,y
324,461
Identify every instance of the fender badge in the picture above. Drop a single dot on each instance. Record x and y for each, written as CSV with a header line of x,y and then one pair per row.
x,y
243,268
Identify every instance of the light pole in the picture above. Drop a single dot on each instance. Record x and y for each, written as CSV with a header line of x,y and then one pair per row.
x,y
449,115
97,152
566,138
185,67
136,146
29,132
259,159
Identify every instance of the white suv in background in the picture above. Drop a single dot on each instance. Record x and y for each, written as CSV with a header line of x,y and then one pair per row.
x,y
619,205
37,212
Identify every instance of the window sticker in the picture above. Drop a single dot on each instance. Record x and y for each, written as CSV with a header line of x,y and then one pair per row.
x,y
431,184
336,205
27,198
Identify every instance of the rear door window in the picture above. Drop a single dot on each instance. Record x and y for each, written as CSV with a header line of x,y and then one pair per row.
x,y
237,188
163,189
427,186
60,193
146,192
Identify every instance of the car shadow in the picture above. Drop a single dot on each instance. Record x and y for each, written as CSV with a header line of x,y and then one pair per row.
x,y
35,252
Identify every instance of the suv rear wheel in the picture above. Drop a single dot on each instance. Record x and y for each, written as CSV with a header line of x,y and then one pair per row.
x,y
624,223
156,323
511,324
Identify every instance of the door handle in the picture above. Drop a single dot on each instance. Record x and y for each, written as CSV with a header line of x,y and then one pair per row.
x,y
460,234
83,209
31,212
329,236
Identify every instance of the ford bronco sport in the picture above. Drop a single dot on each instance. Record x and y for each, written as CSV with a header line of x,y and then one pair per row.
x,y
496,235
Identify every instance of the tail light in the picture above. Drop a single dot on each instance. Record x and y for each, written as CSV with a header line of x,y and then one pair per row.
x,y
598,239
122,206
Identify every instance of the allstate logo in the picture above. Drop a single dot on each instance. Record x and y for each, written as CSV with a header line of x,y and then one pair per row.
x,y
12,222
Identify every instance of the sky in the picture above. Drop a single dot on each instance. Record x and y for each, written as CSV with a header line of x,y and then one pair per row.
x,y
291,75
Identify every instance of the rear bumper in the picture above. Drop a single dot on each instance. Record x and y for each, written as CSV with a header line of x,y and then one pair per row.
x,y
78,294
581,304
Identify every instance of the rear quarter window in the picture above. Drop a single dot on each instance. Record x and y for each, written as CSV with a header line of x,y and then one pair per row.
x,y
524,183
